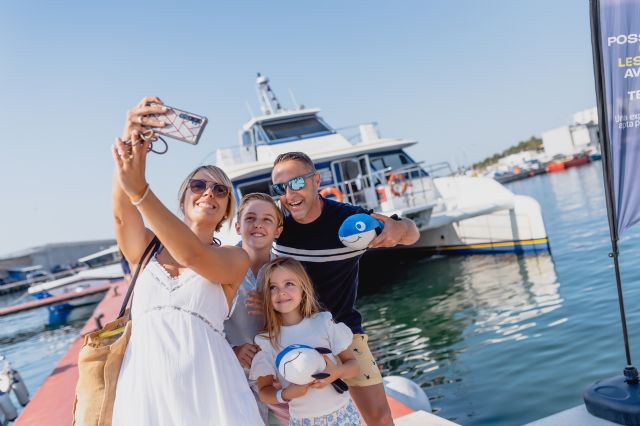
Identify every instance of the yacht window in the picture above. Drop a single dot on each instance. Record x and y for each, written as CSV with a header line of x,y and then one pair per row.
x,y
258,135
295,129
246,139
394,161
263,186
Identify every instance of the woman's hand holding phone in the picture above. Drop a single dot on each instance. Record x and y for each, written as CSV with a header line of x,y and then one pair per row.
x,y
138,118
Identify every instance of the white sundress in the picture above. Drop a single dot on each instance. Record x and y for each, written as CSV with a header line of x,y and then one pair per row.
x,y
178,368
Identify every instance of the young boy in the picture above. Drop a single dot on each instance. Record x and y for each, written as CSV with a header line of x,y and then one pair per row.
x,y
259,223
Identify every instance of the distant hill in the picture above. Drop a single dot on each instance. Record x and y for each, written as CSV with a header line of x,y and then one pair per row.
x,y
532,143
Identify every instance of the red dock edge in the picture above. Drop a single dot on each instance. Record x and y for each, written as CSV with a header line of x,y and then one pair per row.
x,y
52,404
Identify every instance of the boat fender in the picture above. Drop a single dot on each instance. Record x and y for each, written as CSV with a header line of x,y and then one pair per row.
x,y
19,388
407,392
401,183
332,190
6,405
358,230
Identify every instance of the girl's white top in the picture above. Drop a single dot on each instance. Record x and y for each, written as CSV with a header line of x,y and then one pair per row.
x,y
318,330
178,368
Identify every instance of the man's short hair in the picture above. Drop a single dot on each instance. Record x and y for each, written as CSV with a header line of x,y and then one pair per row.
x,y
295,156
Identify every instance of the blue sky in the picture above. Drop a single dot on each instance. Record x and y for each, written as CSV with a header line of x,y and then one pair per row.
x,y
465,78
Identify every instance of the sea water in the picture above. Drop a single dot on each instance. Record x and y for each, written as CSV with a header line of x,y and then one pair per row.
x,y
492,339
507,339
33,344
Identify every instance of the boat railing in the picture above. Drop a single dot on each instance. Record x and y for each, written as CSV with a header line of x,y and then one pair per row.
x,y
441,169
236,154
357,133
389,189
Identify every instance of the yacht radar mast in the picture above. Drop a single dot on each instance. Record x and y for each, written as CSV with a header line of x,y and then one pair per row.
x,y
269,103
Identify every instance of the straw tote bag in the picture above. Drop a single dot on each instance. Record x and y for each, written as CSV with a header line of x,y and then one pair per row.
x,y
100,360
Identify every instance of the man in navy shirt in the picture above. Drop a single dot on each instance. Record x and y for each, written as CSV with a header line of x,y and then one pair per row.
x,y
310,235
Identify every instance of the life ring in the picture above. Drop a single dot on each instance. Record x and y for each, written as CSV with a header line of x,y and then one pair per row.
x,y
402,181
332,190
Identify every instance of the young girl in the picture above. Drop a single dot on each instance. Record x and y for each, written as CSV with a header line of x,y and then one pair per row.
x,y
292,316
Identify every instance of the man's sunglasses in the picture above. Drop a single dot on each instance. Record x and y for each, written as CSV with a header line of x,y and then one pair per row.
x,y
199,186
296,184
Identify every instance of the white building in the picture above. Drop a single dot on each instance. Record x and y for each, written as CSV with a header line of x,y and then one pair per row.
x,y
582,135
519,159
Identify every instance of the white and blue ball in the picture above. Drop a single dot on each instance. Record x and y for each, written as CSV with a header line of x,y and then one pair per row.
x,y
297,364
358,230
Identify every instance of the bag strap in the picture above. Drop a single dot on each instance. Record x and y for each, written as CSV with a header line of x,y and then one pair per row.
x,y
146,257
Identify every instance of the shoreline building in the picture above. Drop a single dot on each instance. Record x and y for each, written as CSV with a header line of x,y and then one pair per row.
x,y
17,265
582,135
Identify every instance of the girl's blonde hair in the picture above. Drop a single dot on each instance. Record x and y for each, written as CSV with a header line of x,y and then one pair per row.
x,y
308,305
218,175
260,196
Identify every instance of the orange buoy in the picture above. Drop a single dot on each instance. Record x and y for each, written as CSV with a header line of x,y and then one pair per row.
x,y
401,182
332,190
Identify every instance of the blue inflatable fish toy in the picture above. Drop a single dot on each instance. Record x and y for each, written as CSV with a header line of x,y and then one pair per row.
x,y
358,230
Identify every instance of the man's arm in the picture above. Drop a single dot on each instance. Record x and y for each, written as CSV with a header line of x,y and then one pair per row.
x,y
403,231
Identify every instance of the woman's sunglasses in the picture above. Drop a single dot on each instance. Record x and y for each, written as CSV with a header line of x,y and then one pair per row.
x,y
199,186
296,184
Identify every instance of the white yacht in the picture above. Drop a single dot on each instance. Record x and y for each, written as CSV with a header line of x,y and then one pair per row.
x,y
455,214
101,268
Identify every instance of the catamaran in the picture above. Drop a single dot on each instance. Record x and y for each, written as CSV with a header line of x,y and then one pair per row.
x,y
455,213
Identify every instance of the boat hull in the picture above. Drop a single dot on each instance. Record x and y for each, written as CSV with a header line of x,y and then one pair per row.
x,y
555,167
578,161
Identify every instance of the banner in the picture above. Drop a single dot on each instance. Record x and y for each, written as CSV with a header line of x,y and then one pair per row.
x,y
617,61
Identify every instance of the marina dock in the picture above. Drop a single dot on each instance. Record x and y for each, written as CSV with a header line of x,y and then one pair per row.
x,y
52,404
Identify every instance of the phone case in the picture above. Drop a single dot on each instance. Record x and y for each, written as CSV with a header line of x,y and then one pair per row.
x,y
181,125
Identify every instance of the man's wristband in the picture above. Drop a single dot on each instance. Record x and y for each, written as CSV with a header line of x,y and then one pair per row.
x,y
279,396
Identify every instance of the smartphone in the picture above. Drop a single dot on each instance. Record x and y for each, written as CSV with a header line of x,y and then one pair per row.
x,y
180,125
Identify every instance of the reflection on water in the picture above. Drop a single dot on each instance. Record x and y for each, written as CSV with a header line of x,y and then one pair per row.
x,y
507,339
419,325
493,339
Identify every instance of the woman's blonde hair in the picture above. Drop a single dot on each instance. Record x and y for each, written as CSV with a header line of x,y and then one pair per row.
x,y
308,305
260,196
218,175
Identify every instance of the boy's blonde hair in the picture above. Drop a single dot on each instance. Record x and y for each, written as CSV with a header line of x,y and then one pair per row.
x,y
308,305
260,196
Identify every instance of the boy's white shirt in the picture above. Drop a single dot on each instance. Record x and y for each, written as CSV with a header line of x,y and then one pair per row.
x,y
241,327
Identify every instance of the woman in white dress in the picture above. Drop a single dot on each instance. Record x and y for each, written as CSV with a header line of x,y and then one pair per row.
x,y
178,368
